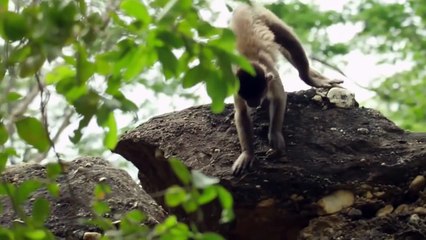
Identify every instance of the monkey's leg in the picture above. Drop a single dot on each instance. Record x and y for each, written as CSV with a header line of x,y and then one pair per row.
x,y
277,105
245,135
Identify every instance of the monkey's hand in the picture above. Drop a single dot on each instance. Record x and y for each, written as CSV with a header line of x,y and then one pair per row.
x,y
315,79
243,163
276,140
325,82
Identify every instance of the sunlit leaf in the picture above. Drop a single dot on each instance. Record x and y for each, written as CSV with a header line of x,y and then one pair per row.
x,y
137,9
225,197
13,96
174,196
111,135
59,73
208,195
211,236
35,234
54,189
190,205
4,4
180,170
101,208
31,130
53,170
135,216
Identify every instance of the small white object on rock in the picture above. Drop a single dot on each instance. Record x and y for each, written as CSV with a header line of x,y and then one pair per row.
x,y
317,98
414,218
384,211
418,184
341,97
91,236
363,130
336,201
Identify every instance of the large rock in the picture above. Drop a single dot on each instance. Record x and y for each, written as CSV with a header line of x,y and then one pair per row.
x,y
76,195
345,165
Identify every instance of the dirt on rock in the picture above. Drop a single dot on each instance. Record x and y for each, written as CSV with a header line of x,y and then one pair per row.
x,y
355,151
77,193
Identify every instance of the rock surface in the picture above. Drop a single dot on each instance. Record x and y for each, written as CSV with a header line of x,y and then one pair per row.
x,y
81,177
329,149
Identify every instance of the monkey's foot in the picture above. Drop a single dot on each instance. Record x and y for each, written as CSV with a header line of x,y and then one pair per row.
x,y
274,153
276,140
243,163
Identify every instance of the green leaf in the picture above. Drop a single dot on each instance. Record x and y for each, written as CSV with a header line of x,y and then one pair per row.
x,y
201,180
227,203
31,65
174,196
211,236
13,96
101,208
59,73
227,215
180,170
226,41
225,197
31,130
25,189
3,134
14,26
101,190
190,205
217,92
4,4
111,136
54,189
168,61
135,216
3,161
2,68
136,9
35,234
53,170
85,69
193,76
208,195
41,211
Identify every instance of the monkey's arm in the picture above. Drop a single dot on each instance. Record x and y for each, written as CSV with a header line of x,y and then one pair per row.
x,y
245,136
293,51
285,37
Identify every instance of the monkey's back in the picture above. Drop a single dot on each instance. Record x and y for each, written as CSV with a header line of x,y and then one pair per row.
x,y
253,37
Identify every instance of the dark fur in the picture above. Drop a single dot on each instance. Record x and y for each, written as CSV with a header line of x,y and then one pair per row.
x,y
252,87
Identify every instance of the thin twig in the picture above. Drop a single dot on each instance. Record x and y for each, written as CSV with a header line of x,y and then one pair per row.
x,y
65,123
44,99
324,62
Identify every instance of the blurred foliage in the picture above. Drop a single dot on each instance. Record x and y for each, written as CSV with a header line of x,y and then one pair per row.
x,y
394,31
398,32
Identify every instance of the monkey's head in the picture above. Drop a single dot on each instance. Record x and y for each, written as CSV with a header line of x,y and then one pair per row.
x,y
253,88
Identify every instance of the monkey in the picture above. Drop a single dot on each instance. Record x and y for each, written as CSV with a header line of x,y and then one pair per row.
x,y
260,37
